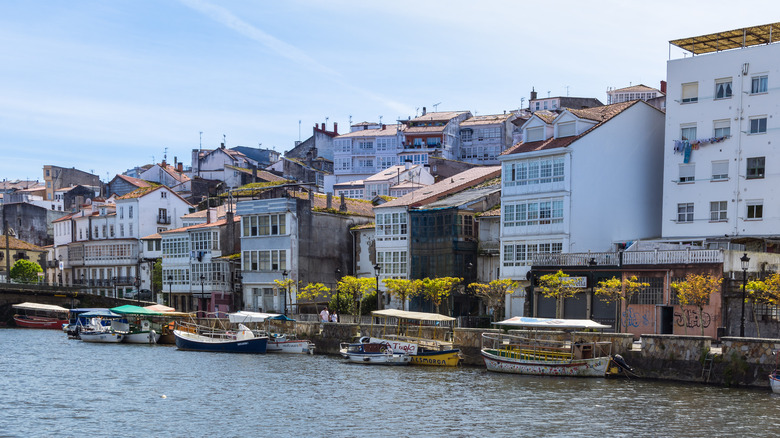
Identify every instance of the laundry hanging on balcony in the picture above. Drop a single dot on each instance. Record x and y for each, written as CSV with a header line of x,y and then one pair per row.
x,y
685,147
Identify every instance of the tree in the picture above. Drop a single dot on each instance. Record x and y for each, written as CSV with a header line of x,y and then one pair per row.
x,y
403,289
157,284
288,284
311,292
437,289
696,291
764,292
25,271
494,294
355,290
613,289
558,286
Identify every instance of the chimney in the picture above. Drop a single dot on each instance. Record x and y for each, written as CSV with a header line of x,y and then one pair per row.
x,y
343,205
222,145
408,164
163,164
175,161
424,112
335,128
533,94
384,126
663,87
311,197
208,215
180,167
329,201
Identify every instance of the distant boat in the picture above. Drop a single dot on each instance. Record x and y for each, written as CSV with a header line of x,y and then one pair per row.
x,y
198,338
278,342
137,330
96,329
774,378
426,337
41,316
368,353
537,355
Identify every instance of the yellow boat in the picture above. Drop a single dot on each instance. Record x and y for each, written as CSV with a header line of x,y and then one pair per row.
x,y
431,345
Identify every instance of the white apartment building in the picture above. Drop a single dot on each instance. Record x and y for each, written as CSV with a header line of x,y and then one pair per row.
x,y
483,138
585,180
720,158
367,149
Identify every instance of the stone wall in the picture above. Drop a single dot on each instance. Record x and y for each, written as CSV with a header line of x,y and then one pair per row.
x,y
675,347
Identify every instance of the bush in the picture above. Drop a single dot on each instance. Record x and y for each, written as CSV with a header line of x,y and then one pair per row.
x,y
25,271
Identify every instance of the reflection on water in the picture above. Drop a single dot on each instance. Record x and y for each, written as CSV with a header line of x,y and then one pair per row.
x,y
55,386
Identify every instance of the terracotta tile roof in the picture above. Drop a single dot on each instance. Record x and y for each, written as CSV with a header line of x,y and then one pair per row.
x,y
600,114
389,131
357,207
461,181
633,88
138,182
364,227
486,120
14,243
175,174
546,116
143,191
197,226
152,237
390,172
64,218
262,174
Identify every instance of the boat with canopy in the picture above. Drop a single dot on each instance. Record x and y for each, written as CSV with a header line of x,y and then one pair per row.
x,y
425,337
277,327
536,354
42,316
137,327
98,328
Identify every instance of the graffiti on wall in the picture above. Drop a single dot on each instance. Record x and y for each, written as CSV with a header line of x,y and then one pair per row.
x,y
631,318
690,318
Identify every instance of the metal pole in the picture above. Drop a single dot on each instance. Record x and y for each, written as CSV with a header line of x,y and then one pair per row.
x,y
742,321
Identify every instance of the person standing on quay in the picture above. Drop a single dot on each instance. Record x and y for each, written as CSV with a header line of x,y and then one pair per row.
x,y
334,317
324,315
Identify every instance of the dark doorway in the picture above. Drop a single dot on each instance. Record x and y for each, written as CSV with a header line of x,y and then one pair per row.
x,y
667,320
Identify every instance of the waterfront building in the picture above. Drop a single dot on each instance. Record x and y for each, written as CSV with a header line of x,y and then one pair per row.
x,y
720,184
296,235
393,234
483,138
583,180
432,134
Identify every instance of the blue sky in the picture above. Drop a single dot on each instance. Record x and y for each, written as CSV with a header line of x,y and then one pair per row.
x,y
104,86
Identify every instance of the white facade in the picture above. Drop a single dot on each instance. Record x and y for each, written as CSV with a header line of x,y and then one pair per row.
x,y
368,149
720,161
583,192
483,138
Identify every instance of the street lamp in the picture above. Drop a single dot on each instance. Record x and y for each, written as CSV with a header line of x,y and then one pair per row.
x,y
202,293
240,280
284,294
338,277
591,264
113,283
137,284
170,290
745,260
378,268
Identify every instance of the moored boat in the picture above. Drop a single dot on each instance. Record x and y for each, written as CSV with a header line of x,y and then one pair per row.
x,y
536,355
137,330
101,336
198,338
278,341
774,378
373,354
425,337
42,316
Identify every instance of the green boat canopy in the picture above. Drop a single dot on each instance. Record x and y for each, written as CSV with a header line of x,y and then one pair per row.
x,y
129,309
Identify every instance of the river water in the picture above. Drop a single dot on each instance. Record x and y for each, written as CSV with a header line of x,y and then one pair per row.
x,y
52,386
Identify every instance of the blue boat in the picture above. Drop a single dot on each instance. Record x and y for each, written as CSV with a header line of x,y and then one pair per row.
x,y
197,338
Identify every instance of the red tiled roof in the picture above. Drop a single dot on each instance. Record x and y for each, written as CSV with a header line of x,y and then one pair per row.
x,y
14,243
138,182
600,114
357,207
461,181
192,227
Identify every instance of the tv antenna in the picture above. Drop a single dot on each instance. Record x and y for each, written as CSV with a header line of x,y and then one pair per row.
x,y
200,141
436,106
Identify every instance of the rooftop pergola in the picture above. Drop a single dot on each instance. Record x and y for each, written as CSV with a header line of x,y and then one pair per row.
x,y
730,39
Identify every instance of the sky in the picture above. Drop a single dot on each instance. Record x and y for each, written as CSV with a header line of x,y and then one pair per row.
x,y
105,86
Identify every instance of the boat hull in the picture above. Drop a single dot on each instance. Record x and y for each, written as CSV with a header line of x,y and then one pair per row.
x,y
150,337
446,358
774,382
596,367
379,358
101,337
39,322
193,342
291,347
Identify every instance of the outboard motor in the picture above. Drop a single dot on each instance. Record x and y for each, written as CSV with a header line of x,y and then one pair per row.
x,y
620,362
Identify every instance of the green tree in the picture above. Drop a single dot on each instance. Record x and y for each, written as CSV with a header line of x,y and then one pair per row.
x,y
311,292
25,271
696,291
354,291
494,294
613,289
437,289
287,286
403,289
764,292
558,286
157,284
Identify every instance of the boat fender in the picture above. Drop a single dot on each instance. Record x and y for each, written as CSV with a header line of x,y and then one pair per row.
x,y
364,340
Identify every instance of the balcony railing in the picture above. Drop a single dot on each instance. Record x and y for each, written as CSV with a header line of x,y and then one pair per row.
x,y
164,220
657,257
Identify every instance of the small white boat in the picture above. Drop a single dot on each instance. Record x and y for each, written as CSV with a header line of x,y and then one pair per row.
x,y
373,354
107,336
282,343
96,331
774,378
138,334
277,342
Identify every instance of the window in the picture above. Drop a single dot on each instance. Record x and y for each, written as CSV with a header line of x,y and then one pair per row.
x,y
690,92
534,171
685,213
466,135
652,294
393,263
121,212
721,128
687,172
121,230
391,226
718,211
434,142
758,125
111,230
265,225
535,134
759,84
487,133
720,170
418,142
521,253
96,233
365,145
755,167
533,212
566,129
723,88
163,194
688,132
755,209
130,212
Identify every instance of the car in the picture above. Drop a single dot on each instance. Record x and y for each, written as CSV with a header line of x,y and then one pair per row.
x,y
145,294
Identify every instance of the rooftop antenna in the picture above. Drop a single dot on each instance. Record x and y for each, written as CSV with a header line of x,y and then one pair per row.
x,y
326,124
299,130
548,94
416,110
522,99
436,106
380,121
224,139
567,91
350,120
200,141
165,155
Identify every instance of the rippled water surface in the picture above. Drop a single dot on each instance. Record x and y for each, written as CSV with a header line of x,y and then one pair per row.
x,y
52,386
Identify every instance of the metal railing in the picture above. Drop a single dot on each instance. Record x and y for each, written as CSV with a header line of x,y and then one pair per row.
x,y
656,257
